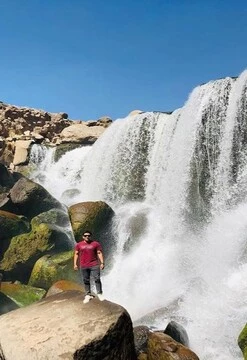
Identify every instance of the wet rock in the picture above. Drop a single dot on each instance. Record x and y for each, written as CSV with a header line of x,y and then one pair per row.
x,y
177,332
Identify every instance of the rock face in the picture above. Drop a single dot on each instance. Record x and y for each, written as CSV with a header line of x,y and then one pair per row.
x,y
62,327
22,126
16,120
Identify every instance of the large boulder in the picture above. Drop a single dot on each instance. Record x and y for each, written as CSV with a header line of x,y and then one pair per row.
x,y
31,199
62,327
22,148
25,249
51,268
95,216
177,332
81,133
163,347
242,341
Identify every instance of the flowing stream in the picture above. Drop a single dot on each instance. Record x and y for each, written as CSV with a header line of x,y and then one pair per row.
x,y
177,183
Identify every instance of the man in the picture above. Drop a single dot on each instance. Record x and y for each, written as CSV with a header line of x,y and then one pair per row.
x,y
91,261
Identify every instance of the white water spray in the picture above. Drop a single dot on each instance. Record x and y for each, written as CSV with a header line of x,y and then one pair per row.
x,y
166,177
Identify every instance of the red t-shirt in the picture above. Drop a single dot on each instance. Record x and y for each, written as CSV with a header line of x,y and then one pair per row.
x,y
88,253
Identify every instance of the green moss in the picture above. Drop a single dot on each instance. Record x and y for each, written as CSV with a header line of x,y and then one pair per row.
x,y
24,247
51,268
24,250
242,341
22,295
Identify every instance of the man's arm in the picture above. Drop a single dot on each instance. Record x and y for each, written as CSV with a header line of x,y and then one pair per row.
x,y
76,254
101,259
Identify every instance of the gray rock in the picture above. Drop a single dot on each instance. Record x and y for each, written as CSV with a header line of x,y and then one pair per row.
x,y
177,332
31,199
62,327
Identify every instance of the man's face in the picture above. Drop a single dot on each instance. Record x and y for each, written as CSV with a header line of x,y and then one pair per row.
x,y
87,237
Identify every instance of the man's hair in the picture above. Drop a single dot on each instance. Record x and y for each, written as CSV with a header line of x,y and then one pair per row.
x,y
87,232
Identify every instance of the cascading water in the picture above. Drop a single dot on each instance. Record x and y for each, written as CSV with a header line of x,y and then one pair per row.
x,y
177,185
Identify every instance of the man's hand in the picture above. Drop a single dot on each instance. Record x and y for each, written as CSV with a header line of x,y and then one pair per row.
x,y
75,267
102,265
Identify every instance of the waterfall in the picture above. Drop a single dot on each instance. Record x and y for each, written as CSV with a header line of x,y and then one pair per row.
x,y
177,183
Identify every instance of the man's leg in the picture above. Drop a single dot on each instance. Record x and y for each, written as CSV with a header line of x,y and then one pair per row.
x,y
95,272
86,280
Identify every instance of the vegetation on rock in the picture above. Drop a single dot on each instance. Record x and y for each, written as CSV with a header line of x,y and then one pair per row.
x,y
51,268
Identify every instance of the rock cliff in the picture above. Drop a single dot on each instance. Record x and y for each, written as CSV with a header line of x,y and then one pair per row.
x,y
20,127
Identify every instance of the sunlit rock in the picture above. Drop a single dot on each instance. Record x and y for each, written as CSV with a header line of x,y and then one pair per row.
x,y
62,327
81,133
22,148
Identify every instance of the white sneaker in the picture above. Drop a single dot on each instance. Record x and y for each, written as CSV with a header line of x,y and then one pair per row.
x,y
87,299
101,297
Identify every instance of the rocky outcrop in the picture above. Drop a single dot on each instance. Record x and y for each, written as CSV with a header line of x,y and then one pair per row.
x,y
18,121
22,126
62,327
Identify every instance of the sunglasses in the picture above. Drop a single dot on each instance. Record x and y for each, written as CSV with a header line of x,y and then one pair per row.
x,y
86,235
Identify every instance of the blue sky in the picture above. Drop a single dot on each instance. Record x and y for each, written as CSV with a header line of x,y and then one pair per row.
x,y
92,58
